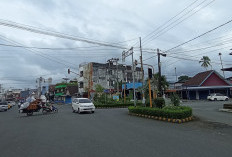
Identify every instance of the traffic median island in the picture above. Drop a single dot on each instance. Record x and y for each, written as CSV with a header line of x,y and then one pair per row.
x,y
114,105
174,114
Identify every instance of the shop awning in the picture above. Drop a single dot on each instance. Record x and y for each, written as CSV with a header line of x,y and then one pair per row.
x,y
59,94
61,86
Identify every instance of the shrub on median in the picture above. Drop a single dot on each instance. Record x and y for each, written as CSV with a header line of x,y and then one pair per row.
x,y
174,112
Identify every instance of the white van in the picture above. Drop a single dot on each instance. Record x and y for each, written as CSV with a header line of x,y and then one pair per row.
x,y
82,105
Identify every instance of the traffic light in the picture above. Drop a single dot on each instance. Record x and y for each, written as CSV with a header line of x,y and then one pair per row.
x,y
149,73
68,71
136,62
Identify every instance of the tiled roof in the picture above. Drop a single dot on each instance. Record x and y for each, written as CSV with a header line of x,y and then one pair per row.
x,y
198,79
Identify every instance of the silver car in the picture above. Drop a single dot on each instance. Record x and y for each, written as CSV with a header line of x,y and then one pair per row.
x,y
3,106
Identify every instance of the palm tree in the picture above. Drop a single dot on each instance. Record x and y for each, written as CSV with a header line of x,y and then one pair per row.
x,y
205,62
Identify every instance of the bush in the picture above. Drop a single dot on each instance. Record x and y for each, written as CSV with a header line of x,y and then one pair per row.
x,y
159,102
173,112
175,99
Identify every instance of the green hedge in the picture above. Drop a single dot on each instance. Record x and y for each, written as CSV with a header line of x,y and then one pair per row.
x,y
174,112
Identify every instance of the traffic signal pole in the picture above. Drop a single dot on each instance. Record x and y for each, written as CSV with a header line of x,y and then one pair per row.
x,y
149,84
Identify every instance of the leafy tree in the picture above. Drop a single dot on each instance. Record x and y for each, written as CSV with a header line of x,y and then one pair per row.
x,y
183,78
154,84
99,88
205,62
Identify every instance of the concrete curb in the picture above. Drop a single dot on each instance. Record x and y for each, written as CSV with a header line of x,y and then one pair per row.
x,y
226,110
179,121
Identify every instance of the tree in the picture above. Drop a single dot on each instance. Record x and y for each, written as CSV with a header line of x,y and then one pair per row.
x,y
183,78
154,83
205,62
99,88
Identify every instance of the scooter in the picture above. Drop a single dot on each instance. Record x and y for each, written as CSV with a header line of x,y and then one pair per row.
x,y
49,109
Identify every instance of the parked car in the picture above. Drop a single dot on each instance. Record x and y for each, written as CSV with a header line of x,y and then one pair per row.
x,y
3,106
217,96
82,105
12,103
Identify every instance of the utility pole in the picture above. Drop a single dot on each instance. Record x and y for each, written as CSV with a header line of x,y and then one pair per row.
x,y
117,59
124,55
141,61
159,72
175,74
133,73
221,64
159,67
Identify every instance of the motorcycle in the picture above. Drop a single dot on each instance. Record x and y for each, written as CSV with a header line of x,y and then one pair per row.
x,y
49,109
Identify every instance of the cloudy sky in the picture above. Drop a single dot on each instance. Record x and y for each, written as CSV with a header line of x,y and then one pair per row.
x,y
161,24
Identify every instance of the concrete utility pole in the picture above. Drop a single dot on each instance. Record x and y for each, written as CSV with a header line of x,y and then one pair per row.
x,y
221,64
141,61
159,66
175,74
124,55
133,73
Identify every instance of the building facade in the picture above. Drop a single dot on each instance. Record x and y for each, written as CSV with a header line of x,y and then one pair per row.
x,y
64,92
107,75
205,83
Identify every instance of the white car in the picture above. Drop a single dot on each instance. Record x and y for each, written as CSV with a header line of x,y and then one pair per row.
x,y
82,105
217,96
12,103
3,106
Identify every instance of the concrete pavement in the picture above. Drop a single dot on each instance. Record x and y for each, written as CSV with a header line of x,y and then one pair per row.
x,y
209,111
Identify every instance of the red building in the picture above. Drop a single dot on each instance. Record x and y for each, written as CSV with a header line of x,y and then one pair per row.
x,y
205,83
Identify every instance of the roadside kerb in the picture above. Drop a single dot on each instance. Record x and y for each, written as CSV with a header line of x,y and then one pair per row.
x,y
179,121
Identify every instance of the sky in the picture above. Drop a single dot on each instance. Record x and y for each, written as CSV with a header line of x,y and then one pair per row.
x,y
161,24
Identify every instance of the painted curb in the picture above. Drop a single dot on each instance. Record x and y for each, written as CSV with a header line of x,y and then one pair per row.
x,y
178,121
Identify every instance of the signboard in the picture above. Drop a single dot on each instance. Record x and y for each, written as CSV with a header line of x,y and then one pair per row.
x,y
116,97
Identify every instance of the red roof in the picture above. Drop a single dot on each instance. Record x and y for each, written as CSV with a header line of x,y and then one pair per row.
x,y
200,78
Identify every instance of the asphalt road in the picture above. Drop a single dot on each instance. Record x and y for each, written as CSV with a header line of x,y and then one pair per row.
x,y
209,111
108,133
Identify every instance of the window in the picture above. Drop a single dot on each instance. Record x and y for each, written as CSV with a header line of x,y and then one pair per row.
x,y
81,73
81,85
84,101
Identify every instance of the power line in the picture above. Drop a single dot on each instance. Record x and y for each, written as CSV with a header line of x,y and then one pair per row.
x,y
159,27
158,34
36,52
55,34
199,36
